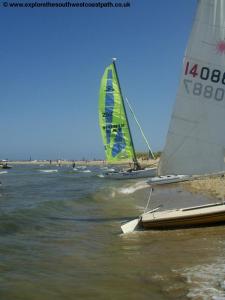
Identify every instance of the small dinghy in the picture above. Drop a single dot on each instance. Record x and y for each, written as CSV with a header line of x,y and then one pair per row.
x,y
168,179
131,174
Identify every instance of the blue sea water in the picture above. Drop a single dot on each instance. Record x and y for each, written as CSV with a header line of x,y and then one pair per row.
x,y
60,238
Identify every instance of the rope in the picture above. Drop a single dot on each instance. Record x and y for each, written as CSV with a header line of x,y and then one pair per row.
x,y
149,198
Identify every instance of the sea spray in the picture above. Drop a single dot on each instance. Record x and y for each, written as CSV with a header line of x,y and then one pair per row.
x,y
130,189
48,171
3,172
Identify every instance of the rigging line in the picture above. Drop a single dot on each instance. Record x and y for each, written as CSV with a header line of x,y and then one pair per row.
x,y
124,108
135,118
149,198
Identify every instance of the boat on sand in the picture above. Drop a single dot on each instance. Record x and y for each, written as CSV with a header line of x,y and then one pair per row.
x,y
195,216
168,179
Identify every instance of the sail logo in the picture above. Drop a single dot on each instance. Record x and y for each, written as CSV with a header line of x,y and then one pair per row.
x,y
107,114
220,47
114,127
109,104
109,88
119,143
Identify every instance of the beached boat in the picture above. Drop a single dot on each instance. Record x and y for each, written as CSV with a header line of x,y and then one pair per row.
x,y
131,174
196,140
168,179
196,216
115,129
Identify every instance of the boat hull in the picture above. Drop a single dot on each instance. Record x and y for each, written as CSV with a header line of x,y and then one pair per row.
x,y
148,172
202,216
5,167
168,179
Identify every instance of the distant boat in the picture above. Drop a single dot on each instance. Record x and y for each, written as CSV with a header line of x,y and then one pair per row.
x,y
115,129
4,166
196,139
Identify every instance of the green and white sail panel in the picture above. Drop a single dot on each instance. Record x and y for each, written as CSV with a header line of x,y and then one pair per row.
x,y
196,138
112,119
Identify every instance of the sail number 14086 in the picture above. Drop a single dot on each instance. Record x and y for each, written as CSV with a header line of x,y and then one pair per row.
x,y
207,82
204,73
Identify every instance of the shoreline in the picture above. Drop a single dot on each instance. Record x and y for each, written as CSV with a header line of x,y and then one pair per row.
x,y
212,186
144,163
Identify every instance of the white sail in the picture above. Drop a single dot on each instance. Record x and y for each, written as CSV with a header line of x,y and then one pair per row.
x,y
196,138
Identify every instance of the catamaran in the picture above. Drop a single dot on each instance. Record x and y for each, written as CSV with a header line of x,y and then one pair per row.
x,y
115,129
196,140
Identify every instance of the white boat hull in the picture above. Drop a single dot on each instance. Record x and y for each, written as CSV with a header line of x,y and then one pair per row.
x,y
198,216
168,179
148,172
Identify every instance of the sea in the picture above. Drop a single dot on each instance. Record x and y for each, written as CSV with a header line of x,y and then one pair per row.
x,y
60,238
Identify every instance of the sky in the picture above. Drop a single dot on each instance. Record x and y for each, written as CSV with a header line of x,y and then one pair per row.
x,y
52,61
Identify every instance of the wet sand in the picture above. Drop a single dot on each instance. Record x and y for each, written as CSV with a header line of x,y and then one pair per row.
x,y
213,186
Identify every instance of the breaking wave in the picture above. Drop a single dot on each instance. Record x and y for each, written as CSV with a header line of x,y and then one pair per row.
x,y
48,171
133,188
206,282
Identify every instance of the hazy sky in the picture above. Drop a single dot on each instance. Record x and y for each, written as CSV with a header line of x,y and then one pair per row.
x,y
51,63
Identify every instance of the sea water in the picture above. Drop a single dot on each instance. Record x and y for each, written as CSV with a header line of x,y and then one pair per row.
x,y
60,238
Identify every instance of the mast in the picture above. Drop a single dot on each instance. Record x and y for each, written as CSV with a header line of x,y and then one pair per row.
x,y
131,140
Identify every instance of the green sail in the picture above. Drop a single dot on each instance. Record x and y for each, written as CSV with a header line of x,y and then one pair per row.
x,y
112,119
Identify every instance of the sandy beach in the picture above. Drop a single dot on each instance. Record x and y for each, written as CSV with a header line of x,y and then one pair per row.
x,y
213,186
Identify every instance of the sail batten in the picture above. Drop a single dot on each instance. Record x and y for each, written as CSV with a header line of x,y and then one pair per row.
x,y
195,141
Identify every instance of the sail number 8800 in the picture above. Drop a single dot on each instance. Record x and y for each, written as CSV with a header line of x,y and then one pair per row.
x,y
207,91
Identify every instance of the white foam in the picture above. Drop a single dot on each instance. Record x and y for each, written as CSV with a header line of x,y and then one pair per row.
x,y
3,172
108,169
48,171
206,282
86,171
113,194
133,188
104,168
